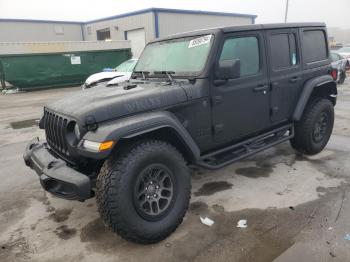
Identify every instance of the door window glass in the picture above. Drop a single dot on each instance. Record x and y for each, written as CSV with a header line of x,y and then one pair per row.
x,y
246,49
283,50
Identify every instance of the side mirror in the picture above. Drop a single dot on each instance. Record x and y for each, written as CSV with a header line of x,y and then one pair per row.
x,y
229,69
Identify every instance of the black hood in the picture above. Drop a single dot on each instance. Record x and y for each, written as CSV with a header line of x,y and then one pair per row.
x,y
107,103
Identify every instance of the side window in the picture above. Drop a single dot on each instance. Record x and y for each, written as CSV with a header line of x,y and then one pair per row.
x,y
103,34
284,51
314,46
246,49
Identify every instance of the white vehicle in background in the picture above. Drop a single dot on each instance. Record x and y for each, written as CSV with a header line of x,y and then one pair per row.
x,y
117,75
345,52
341,64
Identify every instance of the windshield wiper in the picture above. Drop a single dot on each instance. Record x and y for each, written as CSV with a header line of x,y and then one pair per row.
x,y
169,74
143,73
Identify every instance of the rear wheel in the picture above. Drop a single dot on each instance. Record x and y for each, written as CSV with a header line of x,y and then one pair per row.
x,y
313,131
143,192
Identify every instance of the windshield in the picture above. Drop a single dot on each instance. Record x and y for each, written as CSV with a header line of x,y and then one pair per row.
x,y
127,66
184,56
344,50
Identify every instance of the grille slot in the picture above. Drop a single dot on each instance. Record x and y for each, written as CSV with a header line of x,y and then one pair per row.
x,y
55,131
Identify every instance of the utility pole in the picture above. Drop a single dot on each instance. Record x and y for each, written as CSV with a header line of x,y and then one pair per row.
x,y
286,15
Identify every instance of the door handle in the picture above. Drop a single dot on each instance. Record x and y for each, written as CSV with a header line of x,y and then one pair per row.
x,y
219,82
294,79
261,88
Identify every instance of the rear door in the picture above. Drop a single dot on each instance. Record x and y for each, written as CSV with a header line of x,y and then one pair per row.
x,y
241,106
285,72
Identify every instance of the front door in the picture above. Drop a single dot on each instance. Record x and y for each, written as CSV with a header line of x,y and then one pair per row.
x,y
240,107
285,72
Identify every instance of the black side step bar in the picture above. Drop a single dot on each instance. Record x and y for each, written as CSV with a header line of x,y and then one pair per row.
x,y
228,155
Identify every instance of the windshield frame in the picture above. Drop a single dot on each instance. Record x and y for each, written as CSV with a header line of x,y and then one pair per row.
x,y
180,74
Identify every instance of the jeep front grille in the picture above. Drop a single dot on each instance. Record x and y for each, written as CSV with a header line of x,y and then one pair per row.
x,y
55,130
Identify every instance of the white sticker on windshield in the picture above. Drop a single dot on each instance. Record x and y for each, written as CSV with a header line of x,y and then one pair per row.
x,y
199,41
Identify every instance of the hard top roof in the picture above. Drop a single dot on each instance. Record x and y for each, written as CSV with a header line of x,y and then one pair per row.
x,y
240,28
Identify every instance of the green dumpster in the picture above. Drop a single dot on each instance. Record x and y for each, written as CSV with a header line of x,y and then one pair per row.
x,y
34,71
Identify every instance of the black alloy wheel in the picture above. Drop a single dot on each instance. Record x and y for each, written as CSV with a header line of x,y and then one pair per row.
x,y
153,193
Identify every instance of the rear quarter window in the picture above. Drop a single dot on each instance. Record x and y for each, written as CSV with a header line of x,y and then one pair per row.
x,y
314,46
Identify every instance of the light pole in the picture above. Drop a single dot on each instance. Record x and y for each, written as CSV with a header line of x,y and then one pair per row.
x,y
286,14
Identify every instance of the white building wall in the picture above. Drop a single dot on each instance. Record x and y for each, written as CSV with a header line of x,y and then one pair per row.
x,y
118,26
172,23
25,31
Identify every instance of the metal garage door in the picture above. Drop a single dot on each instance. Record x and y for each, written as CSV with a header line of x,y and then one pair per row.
x,y
138,42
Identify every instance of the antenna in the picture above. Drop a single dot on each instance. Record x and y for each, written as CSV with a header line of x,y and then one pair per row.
x,y
286,14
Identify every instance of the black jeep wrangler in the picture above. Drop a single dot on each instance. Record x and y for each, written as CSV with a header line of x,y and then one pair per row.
x,y
205,98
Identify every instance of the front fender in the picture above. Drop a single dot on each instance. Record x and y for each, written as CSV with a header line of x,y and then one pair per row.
x,y
309,87
133,126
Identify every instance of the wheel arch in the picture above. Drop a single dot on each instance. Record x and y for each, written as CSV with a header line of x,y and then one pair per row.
x,y
167,134
323,86
161,125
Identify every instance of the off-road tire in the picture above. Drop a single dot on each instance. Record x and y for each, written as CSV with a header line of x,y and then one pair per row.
x,y
304,139
115,186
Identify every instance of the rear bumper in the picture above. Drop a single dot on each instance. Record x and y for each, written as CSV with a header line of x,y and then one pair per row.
x,y
54,174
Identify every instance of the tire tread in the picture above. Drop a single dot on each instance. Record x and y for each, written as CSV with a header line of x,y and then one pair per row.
x,y
301,141
108,189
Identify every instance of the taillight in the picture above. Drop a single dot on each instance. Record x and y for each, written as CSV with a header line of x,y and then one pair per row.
x,y
334,74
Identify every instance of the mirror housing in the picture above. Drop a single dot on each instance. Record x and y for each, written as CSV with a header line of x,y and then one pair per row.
x,y
229,69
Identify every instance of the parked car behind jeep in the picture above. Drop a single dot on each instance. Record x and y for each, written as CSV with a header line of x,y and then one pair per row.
x,y
205,98
341,64
345,52
111,77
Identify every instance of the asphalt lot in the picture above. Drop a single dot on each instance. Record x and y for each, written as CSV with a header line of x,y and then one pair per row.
x,y
297,207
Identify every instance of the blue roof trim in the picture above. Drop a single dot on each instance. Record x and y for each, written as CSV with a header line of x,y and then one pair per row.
x,y
184,11
40,21
139,12
143,11
166,10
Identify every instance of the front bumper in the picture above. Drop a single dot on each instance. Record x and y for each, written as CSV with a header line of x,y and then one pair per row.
x,y
54,174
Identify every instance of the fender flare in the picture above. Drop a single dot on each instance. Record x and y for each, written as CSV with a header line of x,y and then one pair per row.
x,y
140,124
308,88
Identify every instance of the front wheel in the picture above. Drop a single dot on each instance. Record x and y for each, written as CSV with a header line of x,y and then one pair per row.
x,y
143,192
313,131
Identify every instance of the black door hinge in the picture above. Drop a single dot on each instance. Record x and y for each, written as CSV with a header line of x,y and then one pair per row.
x,y
274,110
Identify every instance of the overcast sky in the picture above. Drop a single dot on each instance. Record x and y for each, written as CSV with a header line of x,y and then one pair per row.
x,y
335,13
